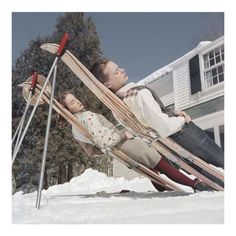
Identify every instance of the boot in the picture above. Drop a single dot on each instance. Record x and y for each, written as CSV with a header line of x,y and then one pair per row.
x,y
200,186
158,187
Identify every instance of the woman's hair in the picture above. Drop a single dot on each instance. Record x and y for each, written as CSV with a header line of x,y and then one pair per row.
x,y
62,98
61,122
97,69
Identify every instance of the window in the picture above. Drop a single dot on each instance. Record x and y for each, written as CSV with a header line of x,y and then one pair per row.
x,y
214,66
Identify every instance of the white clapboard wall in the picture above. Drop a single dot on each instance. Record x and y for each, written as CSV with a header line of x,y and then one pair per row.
x,y
120,170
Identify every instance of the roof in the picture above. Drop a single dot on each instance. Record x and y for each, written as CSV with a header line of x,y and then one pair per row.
x,y
169,68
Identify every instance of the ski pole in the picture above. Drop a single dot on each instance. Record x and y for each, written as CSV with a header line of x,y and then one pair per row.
x,y
32,87
19,128
61,49
59,53
22,120
39,194
32,113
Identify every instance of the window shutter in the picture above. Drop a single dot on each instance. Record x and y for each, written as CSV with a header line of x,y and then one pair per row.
x,y
195,78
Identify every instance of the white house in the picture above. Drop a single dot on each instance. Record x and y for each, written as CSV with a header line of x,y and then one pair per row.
x,y
193,83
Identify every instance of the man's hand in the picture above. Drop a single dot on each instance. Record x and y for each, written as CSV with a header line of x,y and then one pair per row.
x,y
180,113
183,114
187,118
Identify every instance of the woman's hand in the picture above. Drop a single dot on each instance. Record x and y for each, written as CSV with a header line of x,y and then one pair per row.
x,y
128,135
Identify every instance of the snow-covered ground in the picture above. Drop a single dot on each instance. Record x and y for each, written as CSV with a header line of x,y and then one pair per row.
x,y
90,198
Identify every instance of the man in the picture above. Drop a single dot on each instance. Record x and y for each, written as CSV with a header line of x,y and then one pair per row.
x,y
146,105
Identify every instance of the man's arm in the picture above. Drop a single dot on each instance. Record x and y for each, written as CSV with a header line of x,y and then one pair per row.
x,y
150,112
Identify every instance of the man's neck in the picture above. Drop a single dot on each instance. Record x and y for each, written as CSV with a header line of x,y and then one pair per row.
x,y
124,89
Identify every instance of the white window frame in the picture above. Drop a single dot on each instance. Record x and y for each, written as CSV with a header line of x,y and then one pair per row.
x,y
204,70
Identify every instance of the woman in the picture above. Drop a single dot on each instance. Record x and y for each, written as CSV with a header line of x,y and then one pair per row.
x,y
105,134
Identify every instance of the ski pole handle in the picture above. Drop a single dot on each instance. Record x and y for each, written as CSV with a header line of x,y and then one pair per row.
x,y
34,81
62,44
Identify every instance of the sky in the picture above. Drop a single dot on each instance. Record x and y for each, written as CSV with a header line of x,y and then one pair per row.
x,y
24,29
140,43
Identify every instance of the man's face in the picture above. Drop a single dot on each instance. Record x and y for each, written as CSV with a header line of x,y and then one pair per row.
x,y
115,77
73,104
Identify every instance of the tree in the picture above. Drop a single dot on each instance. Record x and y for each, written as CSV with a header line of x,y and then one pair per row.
x,y
215,29
85,45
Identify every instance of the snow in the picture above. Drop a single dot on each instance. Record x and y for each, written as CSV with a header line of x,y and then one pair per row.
x,y
90,198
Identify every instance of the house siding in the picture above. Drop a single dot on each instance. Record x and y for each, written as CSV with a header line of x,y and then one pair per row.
x,y
121,170
181,86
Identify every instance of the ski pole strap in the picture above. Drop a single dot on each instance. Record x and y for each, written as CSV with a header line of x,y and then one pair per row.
x,y
34,81
63,44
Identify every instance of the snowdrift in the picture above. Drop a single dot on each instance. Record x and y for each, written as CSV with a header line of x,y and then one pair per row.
x,y
95,198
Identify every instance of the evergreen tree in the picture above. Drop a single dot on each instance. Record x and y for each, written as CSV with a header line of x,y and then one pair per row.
x,y
62,148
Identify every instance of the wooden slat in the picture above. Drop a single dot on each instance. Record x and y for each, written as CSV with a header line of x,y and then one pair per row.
x,y
175,147
110,99
141,169
183,165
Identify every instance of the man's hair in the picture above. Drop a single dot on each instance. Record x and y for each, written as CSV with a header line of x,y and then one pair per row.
x,y
97,69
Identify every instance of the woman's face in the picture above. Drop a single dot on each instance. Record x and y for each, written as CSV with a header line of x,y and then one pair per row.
x,y
73,104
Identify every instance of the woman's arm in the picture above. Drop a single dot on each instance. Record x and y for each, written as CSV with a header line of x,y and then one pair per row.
x,y
90,149
104,132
